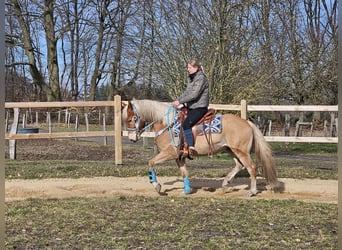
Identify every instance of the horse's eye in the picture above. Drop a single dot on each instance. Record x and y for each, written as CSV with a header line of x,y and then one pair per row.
x,y
134,117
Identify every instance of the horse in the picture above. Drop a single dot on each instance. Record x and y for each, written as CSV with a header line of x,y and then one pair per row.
x,y
238,137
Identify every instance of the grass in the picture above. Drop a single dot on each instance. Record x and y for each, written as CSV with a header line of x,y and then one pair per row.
x,y
169,223
286,168
306,148
173,223
297,162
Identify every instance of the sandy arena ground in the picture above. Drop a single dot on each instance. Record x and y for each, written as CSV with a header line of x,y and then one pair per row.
x,y
305,189
297,189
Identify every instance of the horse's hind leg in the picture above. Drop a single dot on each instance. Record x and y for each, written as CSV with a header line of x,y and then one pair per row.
x,y
184,173
228,179
244,160
252,173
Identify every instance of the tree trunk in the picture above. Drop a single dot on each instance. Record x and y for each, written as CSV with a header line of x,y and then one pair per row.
x,y
37,77
52,61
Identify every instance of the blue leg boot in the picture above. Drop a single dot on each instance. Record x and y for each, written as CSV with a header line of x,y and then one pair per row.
x,y
187,187
153,180
152,175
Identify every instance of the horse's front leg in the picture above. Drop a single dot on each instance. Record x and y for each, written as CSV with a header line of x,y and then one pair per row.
x,y
153,179
185,175
159,158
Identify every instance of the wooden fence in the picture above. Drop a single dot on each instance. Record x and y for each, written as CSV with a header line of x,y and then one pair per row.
x,y
117,132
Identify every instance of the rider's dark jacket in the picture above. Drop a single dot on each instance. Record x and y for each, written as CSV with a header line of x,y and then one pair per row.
x,y
196,94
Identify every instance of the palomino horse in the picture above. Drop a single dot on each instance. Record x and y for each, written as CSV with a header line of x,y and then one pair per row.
x,y
237,137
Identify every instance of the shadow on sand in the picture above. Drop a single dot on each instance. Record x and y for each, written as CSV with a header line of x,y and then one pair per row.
x,y
211,185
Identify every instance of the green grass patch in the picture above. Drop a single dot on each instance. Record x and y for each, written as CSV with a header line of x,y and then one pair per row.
x,y
299,160
203,167
305,148
137,165
170,223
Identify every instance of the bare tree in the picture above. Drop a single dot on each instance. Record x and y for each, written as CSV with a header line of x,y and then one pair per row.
x,y
24,17
71,14
318,29
263,51
52,57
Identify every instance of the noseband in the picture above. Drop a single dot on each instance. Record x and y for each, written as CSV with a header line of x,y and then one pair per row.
x,y
137,122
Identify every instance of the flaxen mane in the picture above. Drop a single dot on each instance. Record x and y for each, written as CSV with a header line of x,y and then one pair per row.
x,y
149,110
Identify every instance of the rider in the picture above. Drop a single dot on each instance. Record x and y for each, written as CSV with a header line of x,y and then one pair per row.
x,y
196,97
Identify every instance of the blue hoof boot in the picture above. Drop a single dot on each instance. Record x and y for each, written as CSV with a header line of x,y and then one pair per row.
x,y
152,175
187,187
187,191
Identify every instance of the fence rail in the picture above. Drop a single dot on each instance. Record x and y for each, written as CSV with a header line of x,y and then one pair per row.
x,y
293,108
117,133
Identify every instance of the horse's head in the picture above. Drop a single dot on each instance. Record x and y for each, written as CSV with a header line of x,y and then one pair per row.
x,y
132,121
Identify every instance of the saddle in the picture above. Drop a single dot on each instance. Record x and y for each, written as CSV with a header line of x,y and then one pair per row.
x,y
183,147
209,116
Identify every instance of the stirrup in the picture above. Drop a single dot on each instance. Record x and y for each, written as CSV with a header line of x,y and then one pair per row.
x,y
192,153
185,154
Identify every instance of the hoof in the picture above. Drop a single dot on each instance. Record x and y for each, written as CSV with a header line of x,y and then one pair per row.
x,y
250,194
226,189
187,191
157,187
270,188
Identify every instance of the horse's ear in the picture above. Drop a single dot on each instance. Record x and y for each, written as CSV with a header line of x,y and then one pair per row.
x,y
123,105
130,111
129,105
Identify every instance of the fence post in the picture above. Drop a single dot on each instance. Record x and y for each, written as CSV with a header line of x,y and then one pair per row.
x,y
117,129
37,119
287,125
14,128
243,109
332,119
48,121
6,121
24,121
86,121
76,125
104,128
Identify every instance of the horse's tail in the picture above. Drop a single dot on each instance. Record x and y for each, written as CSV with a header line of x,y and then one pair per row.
x,y
264,156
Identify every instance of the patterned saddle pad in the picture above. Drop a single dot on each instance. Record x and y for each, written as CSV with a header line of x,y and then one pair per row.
x,y
215,126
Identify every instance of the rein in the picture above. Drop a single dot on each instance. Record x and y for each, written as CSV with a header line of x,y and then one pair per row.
x,y
169,123
137,122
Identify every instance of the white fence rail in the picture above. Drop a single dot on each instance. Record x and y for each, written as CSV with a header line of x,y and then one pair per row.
x,y
297,108
243,108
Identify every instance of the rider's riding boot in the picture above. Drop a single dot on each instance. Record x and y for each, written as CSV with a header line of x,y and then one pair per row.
x,y
189,149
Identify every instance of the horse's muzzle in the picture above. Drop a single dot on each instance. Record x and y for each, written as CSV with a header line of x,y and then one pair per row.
x,y
134,137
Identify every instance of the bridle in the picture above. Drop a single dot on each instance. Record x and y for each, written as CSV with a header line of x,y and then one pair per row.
x,y
139,125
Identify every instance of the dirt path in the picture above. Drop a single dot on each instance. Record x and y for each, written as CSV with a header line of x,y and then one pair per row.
x,y
306,190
